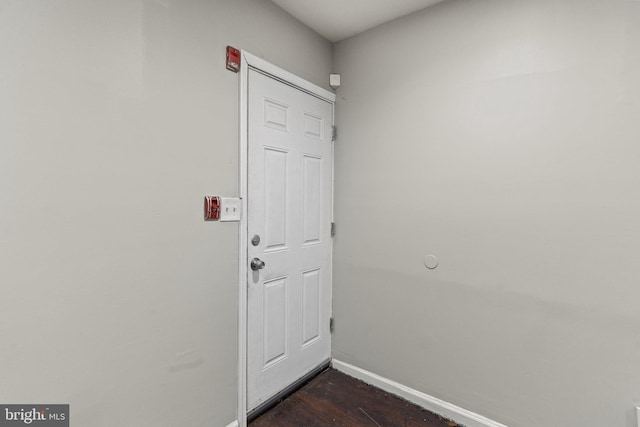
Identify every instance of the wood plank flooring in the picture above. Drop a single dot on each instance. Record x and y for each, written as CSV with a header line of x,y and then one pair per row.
x,y
336,399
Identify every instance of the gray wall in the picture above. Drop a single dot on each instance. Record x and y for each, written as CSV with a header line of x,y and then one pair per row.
x,y
116,118
503,137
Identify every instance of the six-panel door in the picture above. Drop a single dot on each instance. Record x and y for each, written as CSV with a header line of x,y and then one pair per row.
x,y
289,210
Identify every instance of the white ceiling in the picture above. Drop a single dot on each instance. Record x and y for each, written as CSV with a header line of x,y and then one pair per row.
x,y
336,20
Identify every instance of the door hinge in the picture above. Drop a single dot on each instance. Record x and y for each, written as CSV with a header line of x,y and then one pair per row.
x,y
331,325
333,229
334,133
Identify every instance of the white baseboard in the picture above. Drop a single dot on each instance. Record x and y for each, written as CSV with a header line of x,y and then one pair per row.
x,y
233,424
433,404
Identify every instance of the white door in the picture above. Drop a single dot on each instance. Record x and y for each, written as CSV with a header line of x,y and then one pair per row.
x,y
289,230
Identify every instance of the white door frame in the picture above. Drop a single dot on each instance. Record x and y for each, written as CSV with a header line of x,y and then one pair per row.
x,y
250,61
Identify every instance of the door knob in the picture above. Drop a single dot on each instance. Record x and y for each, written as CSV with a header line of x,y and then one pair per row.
x,y
257,264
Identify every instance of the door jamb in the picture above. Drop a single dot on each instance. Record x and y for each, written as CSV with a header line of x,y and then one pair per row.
x,y
250,61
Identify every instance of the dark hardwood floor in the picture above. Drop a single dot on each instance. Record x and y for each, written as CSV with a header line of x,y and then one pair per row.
x,y
336,399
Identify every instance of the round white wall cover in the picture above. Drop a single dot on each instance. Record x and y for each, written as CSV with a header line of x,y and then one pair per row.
x,y
431,262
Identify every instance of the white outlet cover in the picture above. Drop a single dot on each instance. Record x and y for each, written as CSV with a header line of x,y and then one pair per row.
x,y
230,209
638,415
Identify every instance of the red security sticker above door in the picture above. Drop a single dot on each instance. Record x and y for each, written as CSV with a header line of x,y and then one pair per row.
x,y
233,59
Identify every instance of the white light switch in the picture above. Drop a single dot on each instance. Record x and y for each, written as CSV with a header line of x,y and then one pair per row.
x,y
230,209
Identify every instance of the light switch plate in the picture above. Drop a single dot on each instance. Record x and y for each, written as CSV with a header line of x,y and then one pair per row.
x,y
230,209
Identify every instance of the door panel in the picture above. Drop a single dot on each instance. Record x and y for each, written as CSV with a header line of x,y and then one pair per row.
x,y
275,198
275,321
289,207
312,196
311,306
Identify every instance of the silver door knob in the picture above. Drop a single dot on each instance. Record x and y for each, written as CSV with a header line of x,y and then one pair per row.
x,y
257,264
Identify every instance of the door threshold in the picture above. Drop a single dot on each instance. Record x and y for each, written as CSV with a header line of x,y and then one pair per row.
x,y
288,391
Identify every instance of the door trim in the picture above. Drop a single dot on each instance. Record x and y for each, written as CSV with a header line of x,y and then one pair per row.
x,y
248,62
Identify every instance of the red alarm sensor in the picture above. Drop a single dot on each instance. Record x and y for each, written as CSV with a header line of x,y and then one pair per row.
x,y
233,59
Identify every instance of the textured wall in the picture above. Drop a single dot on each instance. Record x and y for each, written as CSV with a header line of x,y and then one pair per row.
x,y
116,118
502,137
